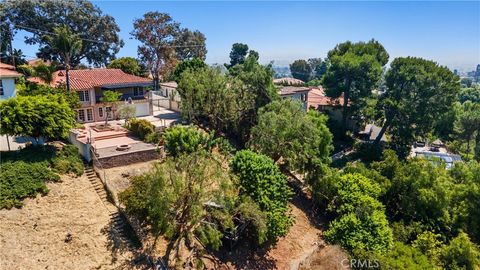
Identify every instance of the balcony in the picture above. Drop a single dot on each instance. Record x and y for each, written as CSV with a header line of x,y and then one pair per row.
x,y
123,97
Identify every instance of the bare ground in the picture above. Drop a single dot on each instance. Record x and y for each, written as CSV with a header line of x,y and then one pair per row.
x,y
34,237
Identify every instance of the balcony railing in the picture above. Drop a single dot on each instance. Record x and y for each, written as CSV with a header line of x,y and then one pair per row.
x,y
123,97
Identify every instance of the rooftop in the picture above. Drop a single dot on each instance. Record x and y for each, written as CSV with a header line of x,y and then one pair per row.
x,y
288,81
84,79
290,90
8,71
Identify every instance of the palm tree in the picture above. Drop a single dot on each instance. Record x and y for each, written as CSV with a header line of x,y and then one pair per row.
x,y
64,43
45,72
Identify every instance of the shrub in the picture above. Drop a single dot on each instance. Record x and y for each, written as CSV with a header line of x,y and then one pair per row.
x,y
140,127
261,179
68,160
153,137
461,253
361,222
19,180
185,139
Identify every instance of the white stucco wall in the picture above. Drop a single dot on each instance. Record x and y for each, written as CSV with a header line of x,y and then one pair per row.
x,y
8,88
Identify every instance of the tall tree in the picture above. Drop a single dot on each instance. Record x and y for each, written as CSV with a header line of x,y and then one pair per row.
x,y
355,70
467,125
237,54
158,33
66,45
301,70
418,92
99,32
192,64
191,44
128,65
286,132
319,67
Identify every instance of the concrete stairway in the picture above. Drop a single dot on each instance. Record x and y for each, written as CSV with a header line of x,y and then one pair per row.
x,y
118,225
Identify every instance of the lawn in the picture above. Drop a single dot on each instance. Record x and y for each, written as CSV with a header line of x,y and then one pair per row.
x,y
24,173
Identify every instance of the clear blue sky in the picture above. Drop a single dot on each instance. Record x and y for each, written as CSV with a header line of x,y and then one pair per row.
x,y
447,32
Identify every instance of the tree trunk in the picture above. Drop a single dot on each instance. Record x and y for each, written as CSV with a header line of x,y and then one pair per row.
x,y
382,131
67,74
346,96
477,147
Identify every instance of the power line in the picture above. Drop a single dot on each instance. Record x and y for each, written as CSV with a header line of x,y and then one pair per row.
x,y
103,42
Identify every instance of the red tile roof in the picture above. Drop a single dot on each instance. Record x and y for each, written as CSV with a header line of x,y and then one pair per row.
x,y
8,71
317,97
84,79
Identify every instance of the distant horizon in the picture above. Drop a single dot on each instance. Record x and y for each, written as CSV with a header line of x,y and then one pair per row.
x,y
446,32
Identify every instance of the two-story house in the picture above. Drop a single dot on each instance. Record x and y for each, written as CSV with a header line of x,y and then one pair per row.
x,y
7,81
91,83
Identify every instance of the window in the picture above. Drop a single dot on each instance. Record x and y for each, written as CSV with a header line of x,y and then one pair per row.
x,y
100,112
89,115
84,96
1,88
81,115
138,91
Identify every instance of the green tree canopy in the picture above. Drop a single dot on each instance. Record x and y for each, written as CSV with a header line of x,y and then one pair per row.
x,y
128,65
39,116
193,202
301,70
418,92
99,32
66,45
193,64
361,222
237,54
355,70
262,180
159,36
286,132
227,103
185,140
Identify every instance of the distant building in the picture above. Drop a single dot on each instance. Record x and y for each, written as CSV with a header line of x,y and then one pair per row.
x,y
299,93
436,151
287,81
7,81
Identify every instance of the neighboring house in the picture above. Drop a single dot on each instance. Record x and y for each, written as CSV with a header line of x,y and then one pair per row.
x,y
435,151
299,93
333,107
286,81
7,81
172,99
90,85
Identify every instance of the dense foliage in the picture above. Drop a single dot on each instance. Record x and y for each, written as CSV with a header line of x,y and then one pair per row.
x,y
140,128
432,211
286,132
262,180
301,70
128,65
25,172
418,92
185,140
101,41
34,89
355,70
188,199
227,103
46,116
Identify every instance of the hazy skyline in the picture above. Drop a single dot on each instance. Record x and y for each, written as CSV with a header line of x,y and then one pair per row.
x,y
447,32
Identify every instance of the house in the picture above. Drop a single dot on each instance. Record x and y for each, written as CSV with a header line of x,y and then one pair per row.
x,y
90,85
7,81
296,93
